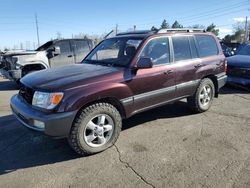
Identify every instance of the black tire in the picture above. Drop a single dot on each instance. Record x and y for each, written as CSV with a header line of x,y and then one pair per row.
x,y
194,101
76,137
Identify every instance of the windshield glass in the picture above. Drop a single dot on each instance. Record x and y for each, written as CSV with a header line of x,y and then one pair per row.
x,y
115,51
245,50
45,46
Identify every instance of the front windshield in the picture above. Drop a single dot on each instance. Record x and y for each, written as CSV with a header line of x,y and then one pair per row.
x,y
244,51
45,46
115,52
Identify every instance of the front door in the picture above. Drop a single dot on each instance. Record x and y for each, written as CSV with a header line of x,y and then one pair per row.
x,y
155,85
66,56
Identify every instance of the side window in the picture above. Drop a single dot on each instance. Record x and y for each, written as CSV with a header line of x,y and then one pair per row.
x,y
158,50
181,48
193,47
206,45
64,46
81,46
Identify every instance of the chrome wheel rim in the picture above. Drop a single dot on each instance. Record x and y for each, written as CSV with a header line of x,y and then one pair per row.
x,y
99,130
205,95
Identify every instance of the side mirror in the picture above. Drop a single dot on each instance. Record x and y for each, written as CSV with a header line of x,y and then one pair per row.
x,y
57,51
144,63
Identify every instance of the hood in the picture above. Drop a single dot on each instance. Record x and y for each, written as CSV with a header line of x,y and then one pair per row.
x,y
239,61
19,52
59,79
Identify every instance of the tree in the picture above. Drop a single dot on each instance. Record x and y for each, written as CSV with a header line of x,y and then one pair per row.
x,y
164,24
153,28
58,35
197,26
212,28
176,24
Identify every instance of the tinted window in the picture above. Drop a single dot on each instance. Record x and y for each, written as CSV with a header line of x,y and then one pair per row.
x,y
158,50
181,48
81,46
245,50
64,46
206,45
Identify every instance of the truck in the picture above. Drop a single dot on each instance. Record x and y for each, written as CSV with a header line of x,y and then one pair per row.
x,y
54,53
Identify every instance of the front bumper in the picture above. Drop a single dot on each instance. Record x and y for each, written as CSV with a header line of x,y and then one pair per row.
x,y
13,75
55,124
237,80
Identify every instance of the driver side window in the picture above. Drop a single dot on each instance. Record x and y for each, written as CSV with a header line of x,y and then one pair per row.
x,y
158,50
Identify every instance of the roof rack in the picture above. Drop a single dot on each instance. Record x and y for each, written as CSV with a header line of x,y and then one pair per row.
x,y
136,32
173,30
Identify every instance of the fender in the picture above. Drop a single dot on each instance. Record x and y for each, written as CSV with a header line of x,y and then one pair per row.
x,y
82,96
46,66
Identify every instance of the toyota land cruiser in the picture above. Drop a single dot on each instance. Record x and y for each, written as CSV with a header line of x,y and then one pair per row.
x,y
122,76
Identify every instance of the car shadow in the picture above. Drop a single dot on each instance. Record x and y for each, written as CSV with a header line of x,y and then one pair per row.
x,y
21,148
234,89
177,109
8,85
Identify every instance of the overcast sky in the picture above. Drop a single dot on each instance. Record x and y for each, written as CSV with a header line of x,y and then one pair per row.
x,y
17,18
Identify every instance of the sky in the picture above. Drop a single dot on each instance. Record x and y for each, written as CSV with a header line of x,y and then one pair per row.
x,y
17,18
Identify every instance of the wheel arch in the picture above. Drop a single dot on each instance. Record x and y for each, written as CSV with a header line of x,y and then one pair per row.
x,y
111,100
215,82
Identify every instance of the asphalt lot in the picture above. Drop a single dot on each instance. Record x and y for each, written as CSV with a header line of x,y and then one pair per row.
x,y
164,147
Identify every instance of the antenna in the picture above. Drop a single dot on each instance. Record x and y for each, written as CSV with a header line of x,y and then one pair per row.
x,y
37,31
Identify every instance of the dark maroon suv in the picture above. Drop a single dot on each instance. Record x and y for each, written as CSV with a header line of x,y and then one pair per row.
x,y
122,76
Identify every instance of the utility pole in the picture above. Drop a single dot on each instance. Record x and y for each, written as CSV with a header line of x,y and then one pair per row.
x,y
116,29
37,31
134,27
246,30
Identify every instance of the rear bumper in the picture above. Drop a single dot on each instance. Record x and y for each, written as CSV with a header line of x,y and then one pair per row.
x,y
222,80
13,75
55,124
238,80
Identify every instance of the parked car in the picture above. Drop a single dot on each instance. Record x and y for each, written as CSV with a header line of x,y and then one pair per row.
x,y
122,76
226,50
239,67
54,53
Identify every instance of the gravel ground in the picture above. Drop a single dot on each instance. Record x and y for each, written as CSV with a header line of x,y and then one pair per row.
x,y
165,147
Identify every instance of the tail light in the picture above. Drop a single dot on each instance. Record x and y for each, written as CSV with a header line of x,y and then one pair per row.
x,y
225,66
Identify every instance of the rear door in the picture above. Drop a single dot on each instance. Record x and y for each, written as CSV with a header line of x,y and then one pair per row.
x,y
212,58
186,63
65,57
81,49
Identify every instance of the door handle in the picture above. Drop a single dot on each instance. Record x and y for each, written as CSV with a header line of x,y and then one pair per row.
x,y
168,72
70,55
198,66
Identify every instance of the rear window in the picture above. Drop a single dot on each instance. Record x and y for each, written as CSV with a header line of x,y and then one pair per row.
x,y
206,45
181,48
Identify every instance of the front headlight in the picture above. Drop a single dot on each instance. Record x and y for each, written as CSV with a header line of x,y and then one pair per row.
x,y
46,100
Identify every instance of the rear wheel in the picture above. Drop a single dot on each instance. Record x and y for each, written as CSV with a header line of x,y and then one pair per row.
x,y
95,129
202,100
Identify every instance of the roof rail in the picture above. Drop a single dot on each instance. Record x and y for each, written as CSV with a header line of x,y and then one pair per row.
x,y
173,30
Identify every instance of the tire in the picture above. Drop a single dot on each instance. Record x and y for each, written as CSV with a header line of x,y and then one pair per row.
x,y
201,101
95,129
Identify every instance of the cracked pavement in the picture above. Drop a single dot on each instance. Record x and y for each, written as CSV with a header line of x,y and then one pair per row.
x,y
165,147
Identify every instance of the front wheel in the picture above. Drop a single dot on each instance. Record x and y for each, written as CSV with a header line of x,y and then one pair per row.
x,y
202,100
95,129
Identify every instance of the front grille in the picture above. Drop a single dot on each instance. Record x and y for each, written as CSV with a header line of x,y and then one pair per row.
x,y
238,72
7,65
26,93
